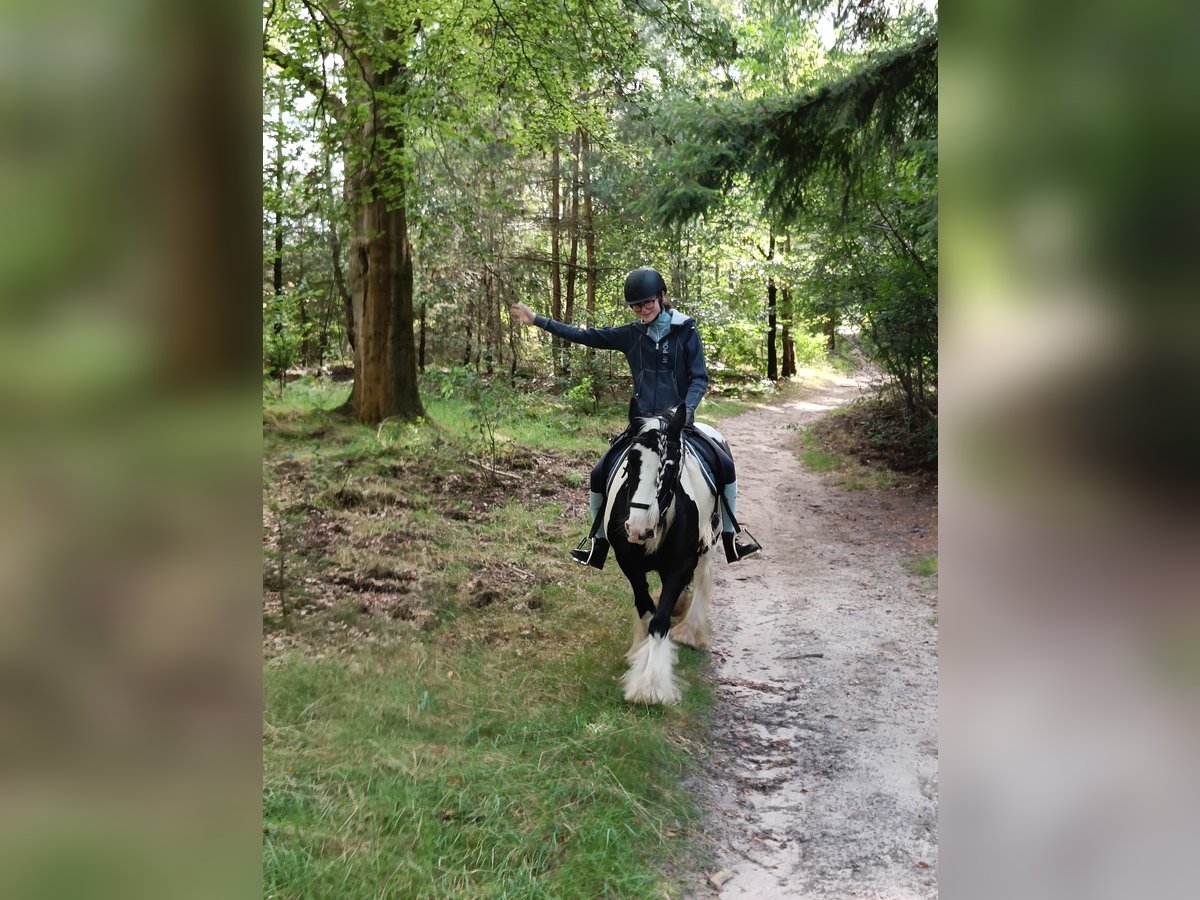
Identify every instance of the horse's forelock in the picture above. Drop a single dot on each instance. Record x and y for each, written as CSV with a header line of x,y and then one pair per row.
x,y
649,423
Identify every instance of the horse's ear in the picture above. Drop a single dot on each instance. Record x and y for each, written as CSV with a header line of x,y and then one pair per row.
x,y
678,420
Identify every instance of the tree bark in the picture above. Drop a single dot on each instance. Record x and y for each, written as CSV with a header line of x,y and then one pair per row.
x,y
772,354
385,359
789,342
573,259
556,310
573,256
589,233
421,335
274,369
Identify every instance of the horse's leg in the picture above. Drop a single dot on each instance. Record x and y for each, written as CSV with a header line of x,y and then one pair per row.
x,y
682,606
693,631
674,583
651,675
643,608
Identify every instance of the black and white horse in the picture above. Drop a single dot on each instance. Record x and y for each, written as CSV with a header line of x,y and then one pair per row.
x,y
660,517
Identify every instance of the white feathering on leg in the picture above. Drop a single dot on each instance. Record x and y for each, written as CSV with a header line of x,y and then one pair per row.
x,y
651,675
694,630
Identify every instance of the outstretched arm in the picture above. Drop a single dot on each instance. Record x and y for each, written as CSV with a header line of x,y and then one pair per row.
x,y
601,338
521,313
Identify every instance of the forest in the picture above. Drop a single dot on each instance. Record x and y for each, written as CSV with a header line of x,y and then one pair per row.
x,y
427,164
442,714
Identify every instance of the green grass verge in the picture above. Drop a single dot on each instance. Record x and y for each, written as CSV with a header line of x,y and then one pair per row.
x,y
844,471
443,716
476,773
926,566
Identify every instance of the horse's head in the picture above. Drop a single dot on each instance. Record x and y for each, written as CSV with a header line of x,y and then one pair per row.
x,y
652,473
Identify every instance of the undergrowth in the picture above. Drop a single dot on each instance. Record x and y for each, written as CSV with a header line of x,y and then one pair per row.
x,y
872,444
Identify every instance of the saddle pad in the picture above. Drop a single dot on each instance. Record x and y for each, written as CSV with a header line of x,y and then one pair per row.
x,y
700,448
708,462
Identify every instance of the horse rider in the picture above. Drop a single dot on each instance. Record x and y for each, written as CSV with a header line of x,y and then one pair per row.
x,y
666,359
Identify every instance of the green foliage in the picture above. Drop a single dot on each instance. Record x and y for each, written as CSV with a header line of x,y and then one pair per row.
x,y
785,142
582,396
283,333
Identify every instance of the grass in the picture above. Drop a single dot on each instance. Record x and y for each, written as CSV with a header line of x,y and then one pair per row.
x,y
821,460
443,716
845,471
925,566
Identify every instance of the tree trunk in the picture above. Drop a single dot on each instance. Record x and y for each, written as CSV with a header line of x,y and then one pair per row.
x,y
556,310
573,256
381,272
421,335
789,342
382,289
589,234
274,368
772,356
335,253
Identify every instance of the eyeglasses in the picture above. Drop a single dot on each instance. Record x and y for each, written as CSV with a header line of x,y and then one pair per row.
x,y
636,306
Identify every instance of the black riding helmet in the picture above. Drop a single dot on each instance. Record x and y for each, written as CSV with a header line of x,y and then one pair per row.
x,y
642,284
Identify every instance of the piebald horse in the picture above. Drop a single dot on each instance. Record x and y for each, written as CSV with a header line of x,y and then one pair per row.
x,y
660,516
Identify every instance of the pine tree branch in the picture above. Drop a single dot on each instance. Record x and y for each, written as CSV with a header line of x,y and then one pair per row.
x,y
908,248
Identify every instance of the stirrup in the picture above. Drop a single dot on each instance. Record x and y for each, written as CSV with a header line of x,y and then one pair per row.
x,y
735,550
591,552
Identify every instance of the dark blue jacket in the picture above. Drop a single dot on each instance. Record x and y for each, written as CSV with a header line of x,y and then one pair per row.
x,y
665,372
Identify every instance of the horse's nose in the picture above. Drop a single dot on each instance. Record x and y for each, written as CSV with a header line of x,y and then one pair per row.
x,y
636,535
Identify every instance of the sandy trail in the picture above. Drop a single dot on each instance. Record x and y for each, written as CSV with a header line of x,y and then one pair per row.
x,y
823,775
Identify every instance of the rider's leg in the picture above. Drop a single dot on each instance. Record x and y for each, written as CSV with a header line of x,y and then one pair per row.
x,y
595,502
734,549
594,551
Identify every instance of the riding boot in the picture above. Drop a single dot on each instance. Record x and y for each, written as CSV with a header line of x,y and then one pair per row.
x,y
591,552
735,549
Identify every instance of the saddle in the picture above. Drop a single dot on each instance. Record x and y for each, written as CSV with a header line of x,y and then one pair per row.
x,y
716,463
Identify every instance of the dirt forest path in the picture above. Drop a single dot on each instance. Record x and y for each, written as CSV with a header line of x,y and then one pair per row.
x,y
822,779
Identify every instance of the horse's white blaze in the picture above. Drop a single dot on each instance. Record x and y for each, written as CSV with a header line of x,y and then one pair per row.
x,y
653,543
651,675
641,521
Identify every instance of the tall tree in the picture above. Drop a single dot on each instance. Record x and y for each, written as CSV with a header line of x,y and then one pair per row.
x,y
556,307
393,75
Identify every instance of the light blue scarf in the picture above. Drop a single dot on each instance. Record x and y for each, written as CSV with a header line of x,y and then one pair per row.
x,y
658,328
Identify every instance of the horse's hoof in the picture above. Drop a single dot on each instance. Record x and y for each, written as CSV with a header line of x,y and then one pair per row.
x,y
651,677
655,698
